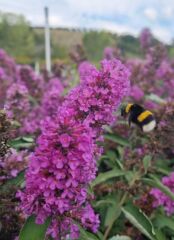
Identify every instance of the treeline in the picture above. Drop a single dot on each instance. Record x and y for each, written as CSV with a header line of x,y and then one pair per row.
x,y
26,43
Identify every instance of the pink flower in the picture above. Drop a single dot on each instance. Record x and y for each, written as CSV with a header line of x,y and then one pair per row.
x,y
64,162
136,93
160,199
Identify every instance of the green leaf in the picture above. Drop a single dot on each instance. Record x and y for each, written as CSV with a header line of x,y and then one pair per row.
x,y
113,212
139,220
33,231
28,139
162,170
22,143
85,235
102,177
119,237
90,190
111,155
162,221
147,162
159,235
103,202
155,182
100,235
17,181
132,176
107,129
113,160
117,139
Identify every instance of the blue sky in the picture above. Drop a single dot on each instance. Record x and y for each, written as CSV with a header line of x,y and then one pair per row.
x,y
120,16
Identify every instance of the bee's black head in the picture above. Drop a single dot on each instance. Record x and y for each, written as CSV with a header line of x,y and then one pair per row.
x,y
125,110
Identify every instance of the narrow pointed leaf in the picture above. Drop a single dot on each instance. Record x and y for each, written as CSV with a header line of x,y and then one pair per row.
x,y
119,237
102,177
139,220
117,139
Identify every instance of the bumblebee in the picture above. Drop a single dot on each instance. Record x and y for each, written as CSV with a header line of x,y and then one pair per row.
x,y
139,116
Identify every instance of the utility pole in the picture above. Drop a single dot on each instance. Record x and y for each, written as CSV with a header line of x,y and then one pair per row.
x,y
47,41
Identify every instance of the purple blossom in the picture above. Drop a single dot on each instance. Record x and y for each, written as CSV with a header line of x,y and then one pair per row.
x,y
64,162
33,82
160,199
7,63
149,104
12,163
52,97
59,171
33,121
165,72
99,96
110,53
145,39
7,75
48,106
17,101
136,93
85,68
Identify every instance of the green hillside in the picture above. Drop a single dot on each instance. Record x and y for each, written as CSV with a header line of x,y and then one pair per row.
x,y
26,43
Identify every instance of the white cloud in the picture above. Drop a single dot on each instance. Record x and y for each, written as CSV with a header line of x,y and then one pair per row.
x,y
151,14
162,34
124,16
103,7
168,12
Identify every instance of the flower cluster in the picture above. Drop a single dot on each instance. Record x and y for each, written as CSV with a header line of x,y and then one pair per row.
x,y
163,139
64,163
7,74
146,39
100,95
152,75
110,53
52,97
48,106
28,97
32,81
136,93
12,163
160,199
17,101
85,69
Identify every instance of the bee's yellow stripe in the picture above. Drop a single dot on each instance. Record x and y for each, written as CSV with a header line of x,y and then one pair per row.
x,y
144,115
128,107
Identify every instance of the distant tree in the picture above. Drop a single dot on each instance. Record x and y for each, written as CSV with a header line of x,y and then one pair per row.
x,y
129,45
39,38
59,52
16,36
94,43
